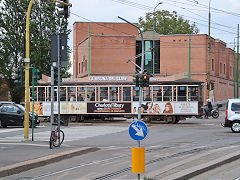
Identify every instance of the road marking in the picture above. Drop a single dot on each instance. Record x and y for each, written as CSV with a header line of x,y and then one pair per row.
x,y
72,133
11,130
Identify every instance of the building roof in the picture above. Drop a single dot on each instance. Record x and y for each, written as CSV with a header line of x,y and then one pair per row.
x,y
148,35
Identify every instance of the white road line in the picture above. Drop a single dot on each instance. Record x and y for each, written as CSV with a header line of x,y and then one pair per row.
x,y
25,144
10,130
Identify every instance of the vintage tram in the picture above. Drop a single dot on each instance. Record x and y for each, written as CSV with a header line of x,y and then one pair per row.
x,y
108,97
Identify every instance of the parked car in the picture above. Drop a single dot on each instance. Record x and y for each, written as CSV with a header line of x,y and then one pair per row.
x,y
13,115
232,118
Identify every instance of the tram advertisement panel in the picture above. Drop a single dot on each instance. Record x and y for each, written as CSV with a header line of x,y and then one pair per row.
x,y
113,107
166,107
44,108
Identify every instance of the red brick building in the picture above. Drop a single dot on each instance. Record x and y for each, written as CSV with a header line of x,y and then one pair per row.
x,y
104,48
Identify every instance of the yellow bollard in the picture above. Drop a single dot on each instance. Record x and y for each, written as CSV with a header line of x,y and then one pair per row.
x,y
138,160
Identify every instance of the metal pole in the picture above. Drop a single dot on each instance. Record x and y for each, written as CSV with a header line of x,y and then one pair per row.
x,y
189,58
208,64
154,38
234,71
58,64
27,60
238,62
33,117
142,68
52,96
89,52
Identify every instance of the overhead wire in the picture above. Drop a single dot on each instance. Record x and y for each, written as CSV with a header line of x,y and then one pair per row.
x,y
147,7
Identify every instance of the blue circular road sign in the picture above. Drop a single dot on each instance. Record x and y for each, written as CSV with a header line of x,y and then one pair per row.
x,y
138,130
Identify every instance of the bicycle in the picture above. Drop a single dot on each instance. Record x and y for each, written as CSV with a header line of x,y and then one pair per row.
x,y
56,141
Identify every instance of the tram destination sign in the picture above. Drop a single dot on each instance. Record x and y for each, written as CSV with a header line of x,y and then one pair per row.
x,y
113,107
108,78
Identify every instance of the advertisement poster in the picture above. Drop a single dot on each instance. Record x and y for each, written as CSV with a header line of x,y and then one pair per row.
x,y
166,108
154,108
65,108
113,107
186,108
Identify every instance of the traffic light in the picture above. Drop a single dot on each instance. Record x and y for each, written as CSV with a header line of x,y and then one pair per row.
x,y
56,76
35,76
212,85
19,77
136,80
145,79
64,9
208,86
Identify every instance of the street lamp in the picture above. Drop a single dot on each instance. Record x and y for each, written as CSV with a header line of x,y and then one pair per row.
x,y
154,37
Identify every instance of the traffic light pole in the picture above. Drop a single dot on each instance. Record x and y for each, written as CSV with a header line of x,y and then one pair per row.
x,y
58,65
52,96
142,68
33,117
27,60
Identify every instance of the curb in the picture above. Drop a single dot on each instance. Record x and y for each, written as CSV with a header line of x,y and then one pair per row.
x,y
196,170
30,164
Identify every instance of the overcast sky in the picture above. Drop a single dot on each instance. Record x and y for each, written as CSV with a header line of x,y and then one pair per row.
x,y
224,13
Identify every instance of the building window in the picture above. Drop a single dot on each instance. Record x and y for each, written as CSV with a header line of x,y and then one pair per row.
x,y
82,66
224,68
79,66
212,64
230,71
149,55
85,65
220,67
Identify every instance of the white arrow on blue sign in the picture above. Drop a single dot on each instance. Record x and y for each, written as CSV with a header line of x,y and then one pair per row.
x,y
138,130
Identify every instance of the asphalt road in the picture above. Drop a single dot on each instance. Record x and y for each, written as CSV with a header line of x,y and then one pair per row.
x,y
165,145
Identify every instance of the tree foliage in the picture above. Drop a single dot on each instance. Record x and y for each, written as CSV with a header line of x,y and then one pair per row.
x,y
167,23
44,22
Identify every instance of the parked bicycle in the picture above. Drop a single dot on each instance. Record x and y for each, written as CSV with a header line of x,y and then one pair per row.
x,y
55,140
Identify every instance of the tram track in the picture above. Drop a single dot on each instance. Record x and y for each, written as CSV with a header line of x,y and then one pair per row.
x,y
123,170
183,153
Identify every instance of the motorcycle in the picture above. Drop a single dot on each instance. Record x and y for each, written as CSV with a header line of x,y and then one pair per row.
x,y
215,112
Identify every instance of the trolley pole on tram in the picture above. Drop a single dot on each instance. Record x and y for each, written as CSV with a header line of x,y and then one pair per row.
x,y
142,68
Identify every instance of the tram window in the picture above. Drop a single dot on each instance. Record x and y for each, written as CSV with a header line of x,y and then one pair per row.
x,y
135,93
41,93
200,93
182,93
54,94
157,93
62,93
126,93
103,93
167,93
91,93
113,93
147,94
80,94
192,93
174,93
71,93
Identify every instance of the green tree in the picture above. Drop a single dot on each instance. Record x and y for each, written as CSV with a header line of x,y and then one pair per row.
x,y
44,22
167,23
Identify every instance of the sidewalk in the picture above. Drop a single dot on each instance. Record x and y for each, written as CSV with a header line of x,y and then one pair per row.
x,y
24,155
198,164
